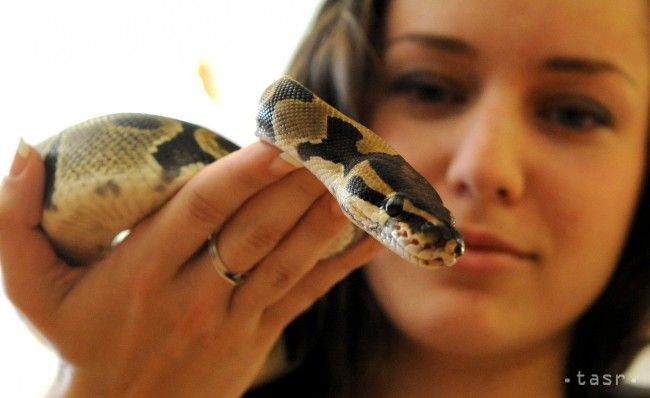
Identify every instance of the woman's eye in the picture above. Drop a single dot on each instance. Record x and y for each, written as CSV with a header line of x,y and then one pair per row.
x,y
576,115
431,90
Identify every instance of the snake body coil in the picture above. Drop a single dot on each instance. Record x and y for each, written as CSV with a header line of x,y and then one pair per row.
x,y
106,174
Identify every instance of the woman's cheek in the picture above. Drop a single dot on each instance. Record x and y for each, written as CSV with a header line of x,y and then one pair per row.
x,y
588,212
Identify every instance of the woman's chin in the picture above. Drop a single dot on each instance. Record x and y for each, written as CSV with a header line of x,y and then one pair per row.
x,y
464,322
455,310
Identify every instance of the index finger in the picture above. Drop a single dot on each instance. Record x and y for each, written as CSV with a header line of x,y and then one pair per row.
x,y
175,232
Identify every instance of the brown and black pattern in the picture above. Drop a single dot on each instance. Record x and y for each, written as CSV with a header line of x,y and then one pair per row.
x,y
106,174
357,161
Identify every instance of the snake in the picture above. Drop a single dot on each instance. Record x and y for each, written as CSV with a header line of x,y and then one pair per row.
x,y
104,175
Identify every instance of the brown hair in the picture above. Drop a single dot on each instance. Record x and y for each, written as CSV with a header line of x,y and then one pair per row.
x,y
338,343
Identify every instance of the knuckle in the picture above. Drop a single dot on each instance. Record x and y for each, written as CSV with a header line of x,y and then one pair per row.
x,y
202,209
261,237
281,277
253,180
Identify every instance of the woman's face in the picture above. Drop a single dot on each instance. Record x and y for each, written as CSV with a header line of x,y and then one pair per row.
x,y
530,120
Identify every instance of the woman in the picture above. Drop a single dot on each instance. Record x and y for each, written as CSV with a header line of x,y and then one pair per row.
x,y
476,99
531,121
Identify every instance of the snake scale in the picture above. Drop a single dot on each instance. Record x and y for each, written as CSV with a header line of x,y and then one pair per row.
x,y
106,174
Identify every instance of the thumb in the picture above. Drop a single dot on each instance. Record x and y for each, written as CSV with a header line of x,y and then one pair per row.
x,y
35,278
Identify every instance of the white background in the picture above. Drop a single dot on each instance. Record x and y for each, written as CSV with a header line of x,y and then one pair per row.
x,y
67,60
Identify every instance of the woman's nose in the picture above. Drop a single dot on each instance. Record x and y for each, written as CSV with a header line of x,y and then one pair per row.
x,y
487,160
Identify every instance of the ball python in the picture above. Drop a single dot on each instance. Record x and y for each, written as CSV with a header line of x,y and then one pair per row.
x,y
106,174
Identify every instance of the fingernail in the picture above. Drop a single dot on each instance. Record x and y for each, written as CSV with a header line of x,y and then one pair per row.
x,y
20,159
282,165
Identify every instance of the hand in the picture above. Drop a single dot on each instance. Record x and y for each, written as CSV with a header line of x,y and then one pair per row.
x,y
153,318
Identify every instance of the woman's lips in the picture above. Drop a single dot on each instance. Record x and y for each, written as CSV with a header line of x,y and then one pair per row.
x,y
489,252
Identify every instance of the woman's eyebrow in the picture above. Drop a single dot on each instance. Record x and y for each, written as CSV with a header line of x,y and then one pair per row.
x,y
459,46
585,65
440,42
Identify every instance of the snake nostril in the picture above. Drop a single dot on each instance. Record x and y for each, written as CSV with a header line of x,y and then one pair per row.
x,y
460,248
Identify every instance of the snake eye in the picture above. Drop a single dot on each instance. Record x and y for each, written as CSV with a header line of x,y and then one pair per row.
x,y
394,205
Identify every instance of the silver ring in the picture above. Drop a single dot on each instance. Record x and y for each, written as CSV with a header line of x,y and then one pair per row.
x,y
234,278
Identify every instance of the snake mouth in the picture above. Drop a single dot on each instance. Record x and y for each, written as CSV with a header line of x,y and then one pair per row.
x,y
437,246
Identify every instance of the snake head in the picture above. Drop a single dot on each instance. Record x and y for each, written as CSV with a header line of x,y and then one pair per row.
x,y
418,235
